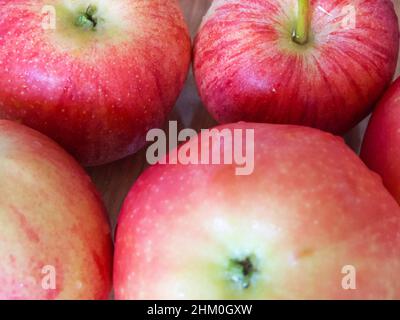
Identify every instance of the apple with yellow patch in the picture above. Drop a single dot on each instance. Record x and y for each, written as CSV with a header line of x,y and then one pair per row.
x,y
310,220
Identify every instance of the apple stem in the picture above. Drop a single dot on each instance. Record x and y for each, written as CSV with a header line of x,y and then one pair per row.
x,y
300,31
241,271
87,20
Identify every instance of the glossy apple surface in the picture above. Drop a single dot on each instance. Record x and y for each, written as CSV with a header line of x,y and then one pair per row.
x,y
107,73
309,209
248,67
381,146
55,240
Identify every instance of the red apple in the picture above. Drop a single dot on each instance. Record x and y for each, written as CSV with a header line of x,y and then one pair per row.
x,y
381,146
54,236
310,211
100,79
324,65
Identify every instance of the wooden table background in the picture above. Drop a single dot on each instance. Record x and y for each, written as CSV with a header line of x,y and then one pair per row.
x,y
114,180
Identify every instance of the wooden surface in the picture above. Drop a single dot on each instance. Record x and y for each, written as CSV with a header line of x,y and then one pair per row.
x,y
114,180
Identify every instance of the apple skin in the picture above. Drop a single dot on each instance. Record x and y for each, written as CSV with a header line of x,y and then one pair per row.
x,y
50,214
248,68
381,145
96,93
310,208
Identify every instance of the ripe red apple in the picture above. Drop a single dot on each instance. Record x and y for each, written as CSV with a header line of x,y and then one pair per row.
x,y
97,80
310,211
54,236
381,146
320,63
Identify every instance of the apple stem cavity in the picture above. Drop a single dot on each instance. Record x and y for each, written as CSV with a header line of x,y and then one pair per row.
x,y
241,271
301,28
87,20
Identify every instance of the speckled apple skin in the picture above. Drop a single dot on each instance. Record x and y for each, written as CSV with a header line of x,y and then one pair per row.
x,y
50,215
248,68
96,97
381,146
310,208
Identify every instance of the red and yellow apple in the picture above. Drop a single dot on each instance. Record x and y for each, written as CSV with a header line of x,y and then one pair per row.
x,y
310,210
94,75
55,240
381,146
320,63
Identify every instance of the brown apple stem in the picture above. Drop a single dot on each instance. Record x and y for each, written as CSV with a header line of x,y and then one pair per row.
x,y
241,271
301,28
